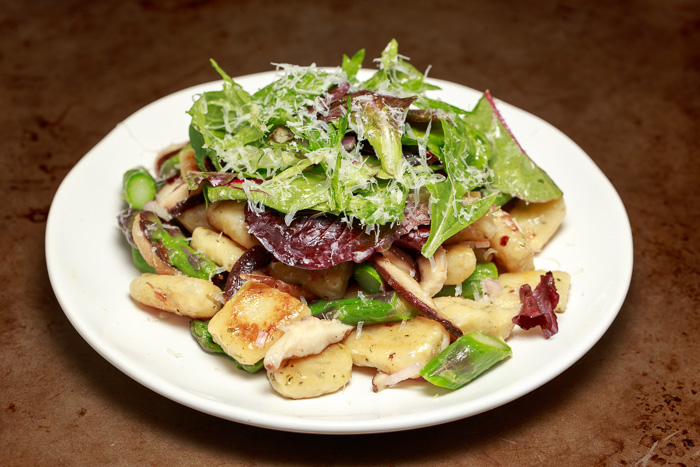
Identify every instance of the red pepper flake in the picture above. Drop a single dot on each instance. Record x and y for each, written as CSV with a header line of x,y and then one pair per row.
x,y
504,240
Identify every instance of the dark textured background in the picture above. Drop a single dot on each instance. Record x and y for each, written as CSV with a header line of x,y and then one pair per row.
x,y
622,79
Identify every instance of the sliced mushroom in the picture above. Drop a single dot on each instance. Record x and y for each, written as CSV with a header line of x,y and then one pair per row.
x,y
150,252
403,260
307,336
433,271
412,292
175,196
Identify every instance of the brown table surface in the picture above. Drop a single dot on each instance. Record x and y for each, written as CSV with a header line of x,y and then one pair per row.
x,y
622,80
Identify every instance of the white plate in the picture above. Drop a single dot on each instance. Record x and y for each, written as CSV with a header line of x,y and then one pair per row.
x,y
90,269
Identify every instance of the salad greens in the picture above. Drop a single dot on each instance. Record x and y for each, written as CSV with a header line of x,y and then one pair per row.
x,y
321,140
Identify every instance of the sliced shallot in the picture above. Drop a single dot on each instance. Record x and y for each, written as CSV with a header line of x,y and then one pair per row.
x,y
383,380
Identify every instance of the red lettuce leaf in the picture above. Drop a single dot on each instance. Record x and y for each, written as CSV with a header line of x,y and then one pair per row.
x,y
538,306
339,104
426,115
318,241
315,241
414,215
415,239
497,114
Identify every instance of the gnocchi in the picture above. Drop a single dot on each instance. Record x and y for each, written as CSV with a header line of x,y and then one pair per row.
x,y
182,295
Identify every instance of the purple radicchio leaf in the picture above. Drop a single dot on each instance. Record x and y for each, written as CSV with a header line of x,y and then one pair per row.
x,y
312,240
538,306
318,241
415,239
416,226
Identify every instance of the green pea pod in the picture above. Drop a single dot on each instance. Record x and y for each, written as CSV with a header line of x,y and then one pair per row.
x,y
382,308
139,187
465,359
471,287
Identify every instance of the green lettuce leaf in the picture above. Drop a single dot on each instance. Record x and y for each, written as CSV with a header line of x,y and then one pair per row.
x,y
514,172
425,102
227,118
352,65
297,88
377,119
449,213
433,139
292,190
465,153
396,75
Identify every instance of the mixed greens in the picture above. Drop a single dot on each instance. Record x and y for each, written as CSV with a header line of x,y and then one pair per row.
x,y
319,140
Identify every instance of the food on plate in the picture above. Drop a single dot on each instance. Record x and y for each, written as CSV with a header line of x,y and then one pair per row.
x,y
324,222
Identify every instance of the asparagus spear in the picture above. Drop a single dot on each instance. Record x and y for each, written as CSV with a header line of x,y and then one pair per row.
x,y
368,278
465,359
174,248
139,187
472,285
200,331
383,308
249,368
